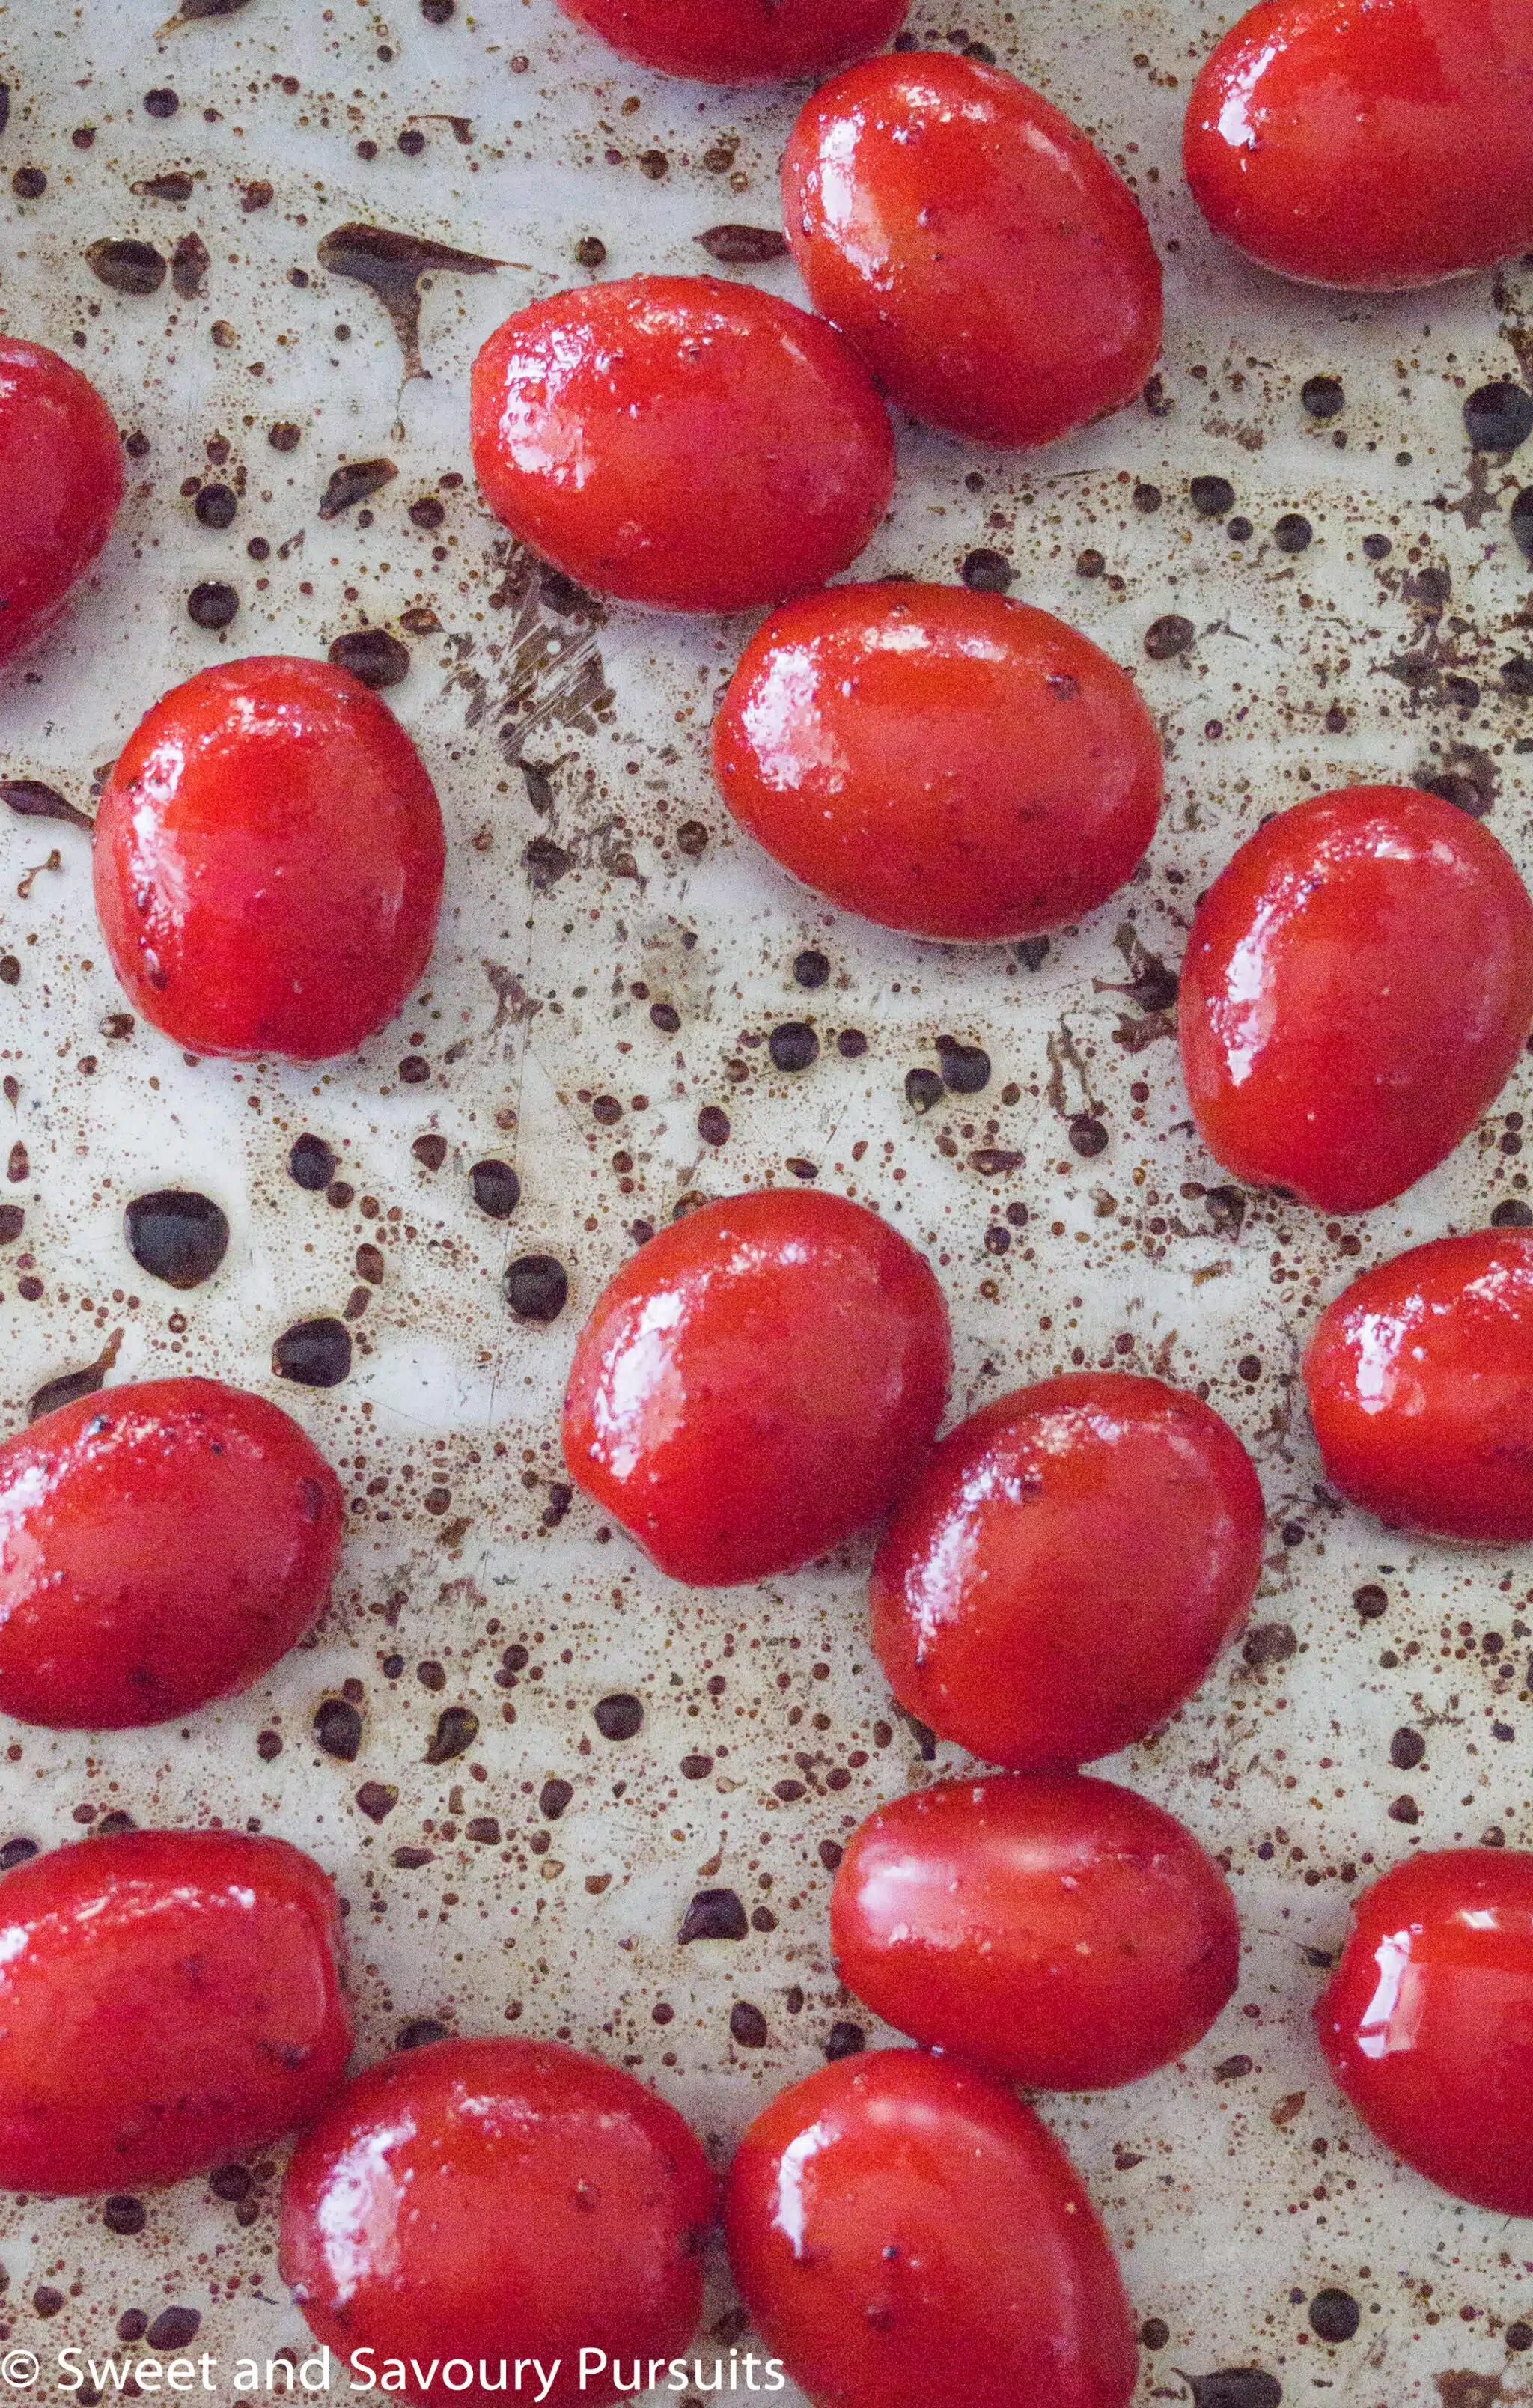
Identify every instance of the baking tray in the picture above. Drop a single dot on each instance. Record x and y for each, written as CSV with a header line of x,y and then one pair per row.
x,y
592,875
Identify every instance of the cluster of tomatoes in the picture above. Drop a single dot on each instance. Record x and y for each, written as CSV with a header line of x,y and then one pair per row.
x,y
767,1377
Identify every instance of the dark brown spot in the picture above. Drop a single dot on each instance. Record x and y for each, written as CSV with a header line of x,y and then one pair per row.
x,y
1293,532
553,1798
747,2024
591,251
1370,1601
619,1716
1323,396
1235,2386
126,267
1335,2316
965,1069
1270,1642
69,1389
1498,417
177,1236
311,1164
794,1046
352,483
372,655
1406,1750
1168,637
212,604
811,969
923,1090
315,1353
457,1727
430,1151
216,505
189,265
31,800
337,1728
377,1799
1212,497
713,1915
1404,1810
713,1125
741,245
161,101
536,1287
124,2215
391,265
987,572
845,2040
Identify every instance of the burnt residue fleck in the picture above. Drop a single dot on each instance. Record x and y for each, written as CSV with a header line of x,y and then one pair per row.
x,y
1212,497
13,1221
1233,2386
216,506
177,1236
457,1727
162,102
174,185
713,1915
422,2033
810,968
174,2328
545,863
376,1800
353,482
1293,532
1370,1601
126,267
536,1287
845,2040
619,1716
1407,1748
1522,521
188,265
987,572
212,603
1168,636
591,251
553,1798
497,1189
713,1125
1498,417
391,265
1404,1810
965,1069
1269,1642
1334,2315
747,2024
923,1089
17,1852
29,183
71,1385
338,1730
311,1164
372,655
742,246
1088,1136
1323,396
1513,1214
124,2215
794,1046
31,800
315,1354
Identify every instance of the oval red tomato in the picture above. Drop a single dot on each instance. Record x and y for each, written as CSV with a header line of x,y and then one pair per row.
x,y
991,268
1057,1931
904,2232
61,473
1420,1380
741,41
161,1544
1357,986
268,861
682,441
168,1999
480,2200
1372,147
758,1383
948,763
1425,2022
1067,1568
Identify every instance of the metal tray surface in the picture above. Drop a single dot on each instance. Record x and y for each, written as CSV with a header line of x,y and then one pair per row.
x,y
1236,2185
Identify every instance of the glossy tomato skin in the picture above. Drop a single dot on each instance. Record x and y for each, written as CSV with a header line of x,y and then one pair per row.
x,y
991,268
168,1999
951,764
1425,2022
903,2231
268,861
680,442
757,1384
741,41
1357,986
1067,1568
61,475
1054,1929
483,2200
161,1544
1420,1380
1372,147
